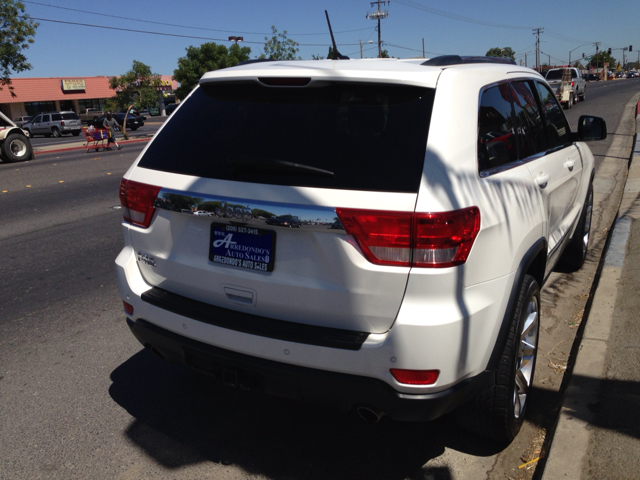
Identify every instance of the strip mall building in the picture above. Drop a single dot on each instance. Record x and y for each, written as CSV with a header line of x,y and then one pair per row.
x,y
40,95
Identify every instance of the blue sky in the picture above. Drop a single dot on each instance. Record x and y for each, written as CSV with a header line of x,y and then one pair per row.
x,y
459,26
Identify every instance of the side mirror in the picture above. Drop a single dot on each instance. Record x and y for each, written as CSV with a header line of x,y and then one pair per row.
x,y
591,128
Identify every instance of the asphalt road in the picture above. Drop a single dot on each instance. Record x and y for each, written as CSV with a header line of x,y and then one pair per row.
x,y
80,398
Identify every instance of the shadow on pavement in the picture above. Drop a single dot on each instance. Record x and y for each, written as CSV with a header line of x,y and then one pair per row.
x,y
182,418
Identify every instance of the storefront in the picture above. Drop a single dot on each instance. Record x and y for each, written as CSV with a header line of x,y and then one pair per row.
x,y
40,95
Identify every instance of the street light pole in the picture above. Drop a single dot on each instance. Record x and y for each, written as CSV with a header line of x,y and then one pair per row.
x,y
233,38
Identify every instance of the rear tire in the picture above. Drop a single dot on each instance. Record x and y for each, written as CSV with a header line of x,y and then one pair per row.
x,y
16,148
55,132
575,254
498,409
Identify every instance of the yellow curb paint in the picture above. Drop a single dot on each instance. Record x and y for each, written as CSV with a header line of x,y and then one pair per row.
x,y
27,186
60,181
5,191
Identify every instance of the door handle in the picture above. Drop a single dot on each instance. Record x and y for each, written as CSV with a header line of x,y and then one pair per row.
x,y
569,164
543,180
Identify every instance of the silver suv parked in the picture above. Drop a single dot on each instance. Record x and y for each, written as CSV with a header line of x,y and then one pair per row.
x,y
54,124
433,198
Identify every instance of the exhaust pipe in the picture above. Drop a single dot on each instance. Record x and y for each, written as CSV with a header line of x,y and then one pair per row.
x,y
369,414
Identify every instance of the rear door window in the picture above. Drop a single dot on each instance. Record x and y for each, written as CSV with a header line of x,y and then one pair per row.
x,y
341,135
556,126
497,144
529,121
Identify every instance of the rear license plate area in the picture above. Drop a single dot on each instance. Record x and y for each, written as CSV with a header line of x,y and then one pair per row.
x,y
243,247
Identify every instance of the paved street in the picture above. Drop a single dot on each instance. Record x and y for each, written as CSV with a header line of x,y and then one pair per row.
x,y
80,398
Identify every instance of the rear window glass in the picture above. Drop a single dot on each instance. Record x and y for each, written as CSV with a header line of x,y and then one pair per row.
x,y
56,117
341,135
70,116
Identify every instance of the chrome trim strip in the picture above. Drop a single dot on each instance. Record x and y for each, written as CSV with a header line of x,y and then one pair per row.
x,y
239,210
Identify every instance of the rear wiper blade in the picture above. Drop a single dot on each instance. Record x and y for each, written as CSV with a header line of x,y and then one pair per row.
x,y
270,165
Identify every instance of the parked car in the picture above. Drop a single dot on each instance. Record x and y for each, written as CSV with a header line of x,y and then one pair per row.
x,y
88,115
135,113
591,77
133,122
427,300
284,221
19,121
170,108
54,124
14,143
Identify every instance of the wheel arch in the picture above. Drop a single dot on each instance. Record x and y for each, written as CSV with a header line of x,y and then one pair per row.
x,y
533,263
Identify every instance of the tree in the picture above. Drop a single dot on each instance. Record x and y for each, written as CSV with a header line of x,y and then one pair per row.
x,y
206,58
505,52
597,61
137,88
384,54
16,33
279,47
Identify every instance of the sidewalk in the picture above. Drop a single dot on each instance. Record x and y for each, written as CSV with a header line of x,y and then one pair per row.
x,y
598,430
80,144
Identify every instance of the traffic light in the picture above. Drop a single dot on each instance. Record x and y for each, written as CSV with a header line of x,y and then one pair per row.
x,y
609,51
582,54
630,49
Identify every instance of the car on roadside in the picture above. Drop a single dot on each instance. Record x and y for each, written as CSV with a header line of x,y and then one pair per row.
x,y
54,124
15,145
19,121
133,122
289,221
437,197
591,77
170,108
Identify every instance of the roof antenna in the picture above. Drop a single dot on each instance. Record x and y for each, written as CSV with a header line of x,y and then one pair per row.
x,y
336,53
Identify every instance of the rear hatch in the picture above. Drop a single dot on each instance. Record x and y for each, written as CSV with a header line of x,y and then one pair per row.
x,y
254,181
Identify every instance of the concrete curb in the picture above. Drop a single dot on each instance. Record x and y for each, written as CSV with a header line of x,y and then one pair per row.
x,y
573,432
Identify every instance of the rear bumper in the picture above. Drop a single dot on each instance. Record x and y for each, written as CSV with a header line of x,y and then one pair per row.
x,y
338,390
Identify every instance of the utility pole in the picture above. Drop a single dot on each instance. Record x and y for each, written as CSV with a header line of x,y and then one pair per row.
x,y
378,15
597,44
537,32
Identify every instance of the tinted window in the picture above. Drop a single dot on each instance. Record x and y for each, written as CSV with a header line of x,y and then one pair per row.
x,y
554,75
496,130
556,126
529,122
38,119
371,137
70,116
56,117
46,118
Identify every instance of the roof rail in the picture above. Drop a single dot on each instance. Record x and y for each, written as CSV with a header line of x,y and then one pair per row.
x,y
255,60
445,60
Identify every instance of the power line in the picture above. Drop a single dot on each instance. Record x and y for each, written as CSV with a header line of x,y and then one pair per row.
x,y
168,34
442,13
119,17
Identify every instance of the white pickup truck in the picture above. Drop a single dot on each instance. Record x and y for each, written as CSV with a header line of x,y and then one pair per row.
x,y
568,95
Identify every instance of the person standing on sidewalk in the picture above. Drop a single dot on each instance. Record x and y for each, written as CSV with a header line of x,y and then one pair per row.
x,y
111,124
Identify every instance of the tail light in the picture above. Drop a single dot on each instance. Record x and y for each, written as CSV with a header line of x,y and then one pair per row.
x,y
415,377
427,240
62,122
137,201
572,84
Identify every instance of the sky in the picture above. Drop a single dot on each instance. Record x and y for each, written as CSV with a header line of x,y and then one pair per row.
x,y
465,27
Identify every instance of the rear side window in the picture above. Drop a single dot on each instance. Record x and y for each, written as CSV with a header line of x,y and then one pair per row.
x,y
341,135
496,130
56,117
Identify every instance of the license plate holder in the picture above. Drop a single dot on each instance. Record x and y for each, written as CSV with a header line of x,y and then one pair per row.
x,y
242,246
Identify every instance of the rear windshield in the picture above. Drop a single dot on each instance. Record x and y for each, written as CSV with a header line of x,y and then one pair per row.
x,y
70,116
342,135
557,74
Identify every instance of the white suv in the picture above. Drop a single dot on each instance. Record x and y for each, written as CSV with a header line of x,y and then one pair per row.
x,y
433,199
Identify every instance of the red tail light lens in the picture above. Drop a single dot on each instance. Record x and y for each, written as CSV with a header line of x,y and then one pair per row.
x,y
137,201
431,240
415,377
